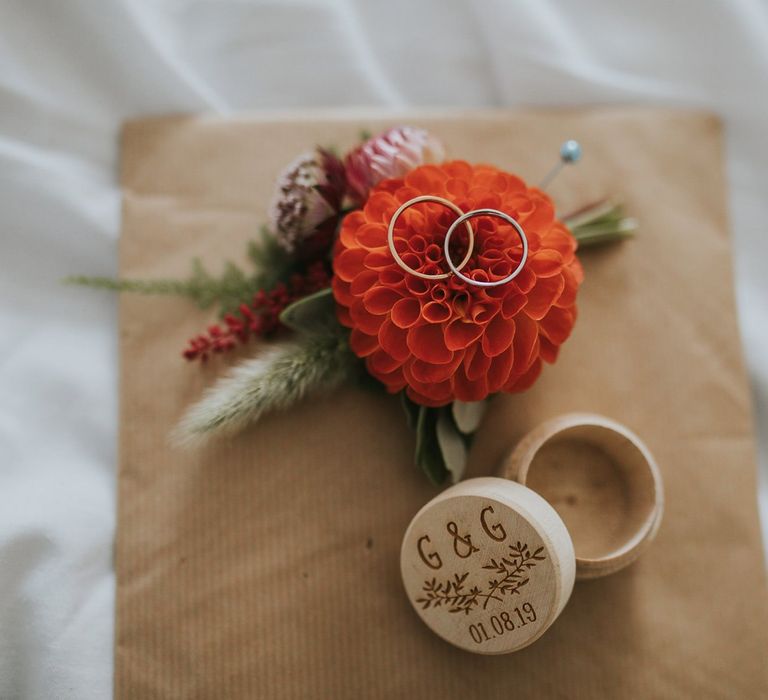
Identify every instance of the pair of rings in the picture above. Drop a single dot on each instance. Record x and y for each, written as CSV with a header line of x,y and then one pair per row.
x,y
463,219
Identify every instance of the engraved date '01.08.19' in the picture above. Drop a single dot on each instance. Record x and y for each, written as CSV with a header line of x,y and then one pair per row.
x,y
502,623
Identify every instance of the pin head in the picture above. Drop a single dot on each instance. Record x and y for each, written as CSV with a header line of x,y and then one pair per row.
x,y
570,151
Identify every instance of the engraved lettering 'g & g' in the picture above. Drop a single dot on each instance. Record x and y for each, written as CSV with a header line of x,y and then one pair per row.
x,y
495,532
432,560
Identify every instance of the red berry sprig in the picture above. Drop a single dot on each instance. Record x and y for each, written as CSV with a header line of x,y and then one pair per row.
x,y
260,318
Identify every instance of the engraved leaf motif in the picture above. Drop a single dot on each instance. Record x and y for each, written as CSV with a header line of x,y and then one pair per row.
x,y
511,569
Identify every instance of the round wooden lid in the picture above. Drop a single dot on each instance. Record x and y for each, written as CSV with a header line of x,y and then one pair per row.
x,y
488,565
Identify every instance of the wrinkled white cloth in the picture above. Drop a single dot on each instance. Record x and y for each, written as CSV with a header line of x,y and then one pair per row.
x,y
71,72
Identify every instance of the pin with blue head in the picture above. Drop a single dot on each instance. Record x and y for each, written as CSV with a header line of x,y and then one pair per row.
x,y
570,152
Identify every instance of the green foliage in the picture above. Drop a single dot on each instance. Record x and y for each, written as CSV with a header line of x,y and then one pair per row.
x,y
411,410
468,414
311,313
271,264
453,444
603,222
428,455
442,440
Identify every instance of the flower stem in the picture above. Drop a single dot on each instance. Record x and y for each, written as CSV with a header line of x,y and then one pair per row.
x,y
599,223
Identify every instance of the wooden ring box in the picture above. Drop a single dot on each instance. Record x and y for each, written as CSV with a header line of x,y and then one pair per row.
x,y
490,563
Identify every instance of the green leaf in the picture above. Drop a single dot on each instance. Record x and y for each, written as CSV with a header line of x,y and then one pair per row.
x,y
411,410
451,443
468,414
428,455
599,223
599,233
602,209
311,313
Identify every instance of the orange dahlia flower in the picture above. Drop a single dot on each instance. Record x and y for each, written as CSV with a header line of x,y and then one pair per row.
x,y
446,339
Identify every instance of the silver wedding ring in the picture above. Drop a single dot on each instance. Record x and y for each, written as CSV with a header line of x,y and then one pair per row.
x,y
464,219
391,236
486,212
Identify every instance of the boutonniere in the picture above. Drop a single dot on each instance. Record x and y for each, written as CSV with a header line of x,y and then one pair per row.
x,y
442,281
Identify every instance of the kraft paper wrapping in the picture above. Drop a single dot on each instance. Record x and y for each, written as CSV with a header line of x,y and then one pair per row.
x,y
268,566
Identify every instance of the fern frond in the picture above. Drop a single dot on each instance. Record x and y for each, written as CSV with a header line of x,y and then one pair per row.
x,y
158,286
228,290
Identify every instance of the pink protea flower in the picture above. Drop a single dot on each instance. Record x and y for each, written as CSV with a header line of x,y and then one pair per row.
x,y
307,194
390,154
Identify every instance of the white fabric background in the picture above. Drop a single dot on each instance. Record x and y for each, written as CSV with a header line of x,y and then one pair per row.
x,y
71,72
